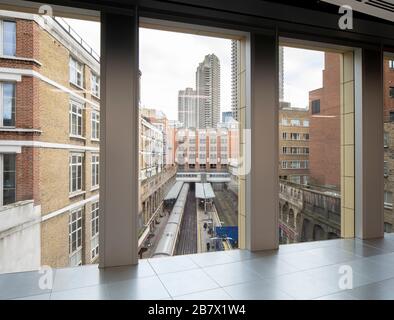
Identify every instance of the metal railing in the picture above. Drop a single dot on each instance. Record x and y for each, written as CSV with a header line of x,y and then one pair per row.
x,y
73,34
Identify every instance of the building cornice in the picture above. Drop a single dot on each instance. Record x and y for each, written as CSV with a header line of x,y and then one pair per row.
x,y
49,145
33,73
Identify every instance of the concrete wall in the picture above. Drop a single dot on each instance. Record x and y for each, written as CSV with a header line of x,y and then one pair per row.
x,y
20,248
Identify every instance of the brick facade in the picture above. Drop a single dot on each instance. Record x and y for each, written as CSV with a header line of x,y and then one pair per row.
x,y
289,114
325,127
42,116
388,106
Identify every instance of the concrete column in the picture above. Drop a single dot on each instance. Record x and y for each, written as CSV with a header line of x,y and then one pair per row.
x,y
262,222
119,140
369,153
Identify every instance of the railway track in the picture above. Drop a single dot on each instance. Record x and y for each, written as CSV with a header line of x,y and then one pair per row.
x,y
187,243
227,207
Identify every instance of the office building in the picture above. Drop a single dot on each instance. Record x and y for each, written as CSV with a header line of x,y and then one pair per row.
x,y
187,108
208,92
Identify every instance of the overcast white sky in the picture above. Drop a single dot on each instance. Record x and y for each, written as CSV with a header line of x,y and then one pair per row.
x,y
168,63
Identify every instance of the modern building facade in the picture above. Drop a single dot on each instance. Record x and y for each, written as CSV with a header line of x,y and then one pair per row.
x,y
235,69
187,108
208,92
227,116
281,74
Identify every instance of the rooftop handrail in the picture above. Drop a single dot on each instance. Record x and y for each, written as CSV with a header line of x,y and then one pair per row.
x,y
73,34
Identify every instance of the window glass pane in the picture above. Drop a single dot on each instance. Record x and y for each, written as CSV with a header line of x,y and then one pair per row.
x,y
9,38
309,149
391,92
9,179
388,123
8,104
189,143
315,106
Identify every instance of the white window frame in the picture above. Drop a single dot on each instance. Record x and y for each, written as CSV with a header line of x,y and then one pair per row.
x,y
76,69
95,85
79,163
2,30
386,169
95,125
388,204
386,139
295,122
78,114
2,178
2,83
75,256
391,64
94,243
95,170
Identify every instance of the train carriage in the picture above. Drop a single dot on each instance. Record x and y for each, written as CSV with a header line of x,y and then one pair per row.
x,y
168,241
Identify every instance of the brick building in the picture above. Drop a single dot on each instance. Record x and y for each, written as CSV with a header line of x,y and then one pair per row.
x,y
157,171
388,114
325,126
294,144
206,149
49,145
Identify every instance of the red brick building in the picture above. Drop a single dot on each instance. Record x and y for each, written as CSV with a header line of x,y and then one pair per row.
x,y
325,127
388,116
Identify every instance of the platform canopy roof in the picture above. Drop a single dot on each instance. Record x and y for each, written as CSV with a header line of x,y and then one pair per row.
x,y
204,191
174,191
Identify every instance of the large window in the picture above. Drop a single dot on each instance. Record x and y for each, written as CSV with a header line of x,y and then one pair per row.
x,y
76,166
76,119
310,150
386,169
95,230
75,237
8,34
95,170
185,140
7,107
7,161
95,125
315,106
388,199
386,139
95,85
76,72
388,123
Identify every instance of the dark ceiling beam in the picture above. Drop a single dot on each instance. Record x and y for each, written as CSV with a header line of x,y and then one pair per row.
x,y
248,14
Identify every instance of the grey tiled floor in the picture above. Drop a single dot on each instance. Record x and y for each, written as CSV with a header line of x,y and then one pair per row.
x,y
296,271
